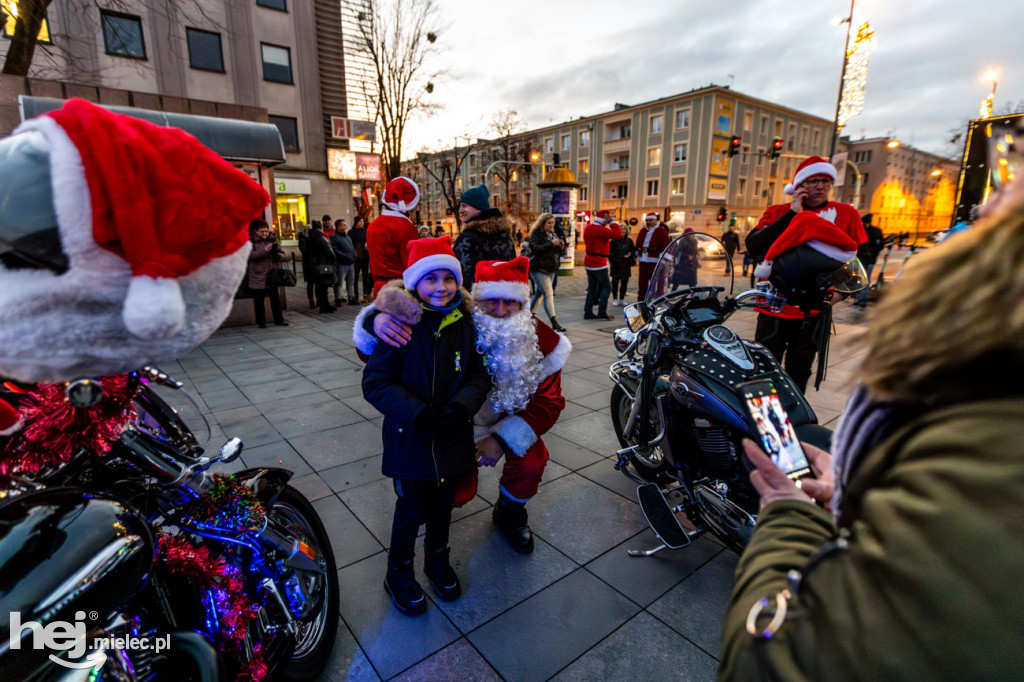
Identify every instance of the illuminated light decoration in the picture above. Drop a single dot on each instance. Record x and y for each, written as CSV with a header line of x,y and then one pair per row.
x,y
851,103
986,107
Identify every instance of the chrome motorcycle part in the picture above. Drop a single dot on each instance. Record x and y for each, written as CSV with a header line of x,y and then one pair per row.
x,y
652,459
623,339
730,520
84,392
726,342
230,451
635,317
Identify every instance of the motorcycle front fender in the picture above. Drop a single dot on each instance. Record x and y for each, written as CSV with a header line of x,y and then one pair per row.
x,y
266,482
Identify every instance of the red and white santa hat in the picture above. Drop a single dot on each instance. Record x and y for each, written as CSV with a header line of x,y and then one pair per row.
x,y
810,229
604,214
812,165
401,194
10,418
153,195
430,254
651,216
508,279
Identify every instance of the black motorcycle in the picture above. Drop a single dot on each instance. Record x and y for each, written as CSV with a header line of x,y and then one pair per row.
x,y
155,568
675,406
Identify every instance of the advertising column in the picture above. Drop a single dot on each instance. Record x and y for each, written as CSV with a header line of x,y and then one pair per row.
x,y
558,197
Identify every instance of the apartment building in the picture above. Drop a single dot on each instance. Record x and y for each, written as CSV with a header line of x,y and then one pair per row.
x,y
905,189
669,156
279,61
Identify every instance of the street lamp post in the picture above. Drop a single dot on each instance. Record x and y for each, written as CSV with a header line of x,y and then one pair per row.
x,y
500,162
842,77
856,184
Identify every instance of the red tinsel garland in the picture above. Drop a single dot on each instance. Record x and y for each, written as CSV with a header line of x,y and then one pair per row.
x,y
54,429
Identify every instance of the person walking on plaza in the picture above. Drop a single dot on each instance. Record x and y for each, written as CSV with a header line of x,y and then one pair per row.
x,y
345,252
731,242
596,237
911,564
545,251
308,269
650,242
357,233
621,259
388,237
793,334
868,254
524,358
266,251
486,234
323,264
427,390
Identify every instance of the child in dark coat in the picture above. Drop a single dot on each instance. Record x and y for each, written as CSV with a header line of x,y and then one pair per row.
x,y
428,391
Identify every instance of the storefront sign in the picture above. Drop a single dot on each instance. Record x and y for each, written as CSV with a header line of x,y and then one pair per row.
x,y
351,129
293,186
345,165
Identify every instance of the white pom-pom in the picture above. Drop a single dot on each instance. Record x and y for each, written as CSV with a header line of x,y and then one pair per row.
x,y
154,307
763,270
788,189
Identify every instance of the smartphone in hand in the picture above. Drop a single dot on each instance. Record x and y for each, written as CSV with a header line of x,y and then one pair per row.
x,y
771,422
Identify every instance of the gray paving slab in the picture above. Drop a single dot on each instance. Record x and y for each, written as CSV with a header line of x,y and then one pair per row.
x,y
315,413
277,454
457,661
312,486
347,661
353,474
341,445
279,389
349,538
552,628
248,424
593,431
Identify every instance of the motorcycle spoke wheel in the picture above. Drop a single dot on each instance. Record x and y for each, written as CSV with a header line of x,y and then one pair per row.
x,y
649,464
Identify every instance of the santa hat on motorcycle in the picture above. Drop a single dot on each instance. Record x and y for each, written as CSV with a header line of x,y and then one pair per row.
x,y
812,165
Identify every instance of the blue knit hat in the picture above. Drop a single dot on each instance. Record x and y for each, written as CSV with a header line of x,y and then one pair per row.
x,y
477,197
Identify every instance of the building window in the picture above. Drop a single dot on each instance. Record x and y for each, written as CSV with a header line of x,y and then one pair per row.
x,y
654,156
204,50
582,194
472,160
764,124
277,63
757,189
682,119
743,187
652,188
816,136
778,129
10,15
862,157
625,131
863,179
679,153
584,166
620,162
565,143
274,4
289,129
803,137
791,142
549,145
748,120
472,181
584,138
657,124
678,186
760,157
122,35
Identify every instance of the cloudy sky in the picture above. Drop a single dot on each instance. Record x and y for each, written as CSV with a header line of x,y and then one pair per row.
x,y
555,59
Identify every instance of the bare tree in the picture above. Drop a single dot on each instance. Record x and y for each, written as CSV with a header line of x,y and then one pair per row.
x,y
446,170
399,37
513,149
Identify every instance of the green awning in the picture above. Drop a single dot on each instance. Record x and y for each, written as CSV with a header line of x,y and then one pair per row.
x,y
239,141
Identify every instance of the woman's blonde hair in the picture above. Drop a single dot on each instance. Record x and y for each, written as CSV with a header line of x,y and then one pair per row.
x,y
539,222
957,311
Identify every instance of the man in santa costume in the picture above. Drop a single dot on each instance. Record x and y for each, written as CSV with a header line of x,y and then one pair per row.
x,y
112,256
829,232
388,237
597,237
524,357
651,241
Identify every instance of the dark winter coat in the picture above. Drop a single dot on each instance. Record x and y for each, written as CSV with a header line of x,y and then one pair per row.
x,y
869,250
344,249
358,237
438,366
731,241
319,252
544,256
488,236
621,257
308,269
265,252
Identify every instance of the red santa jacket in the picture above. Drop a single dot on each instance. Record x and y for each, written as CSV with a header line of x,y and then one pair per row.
x,y
651,242
596,238
522,431
387,241
843,216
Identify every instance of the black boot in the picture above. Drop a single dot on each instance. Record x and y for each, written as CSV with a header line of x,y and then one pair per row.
x,y
400,583
557,327
510,516
312,303
441,574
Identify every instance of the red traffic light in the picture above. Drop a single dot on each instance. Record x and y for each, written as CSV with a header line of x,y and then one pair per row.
x,y
721,215
734,145
777,144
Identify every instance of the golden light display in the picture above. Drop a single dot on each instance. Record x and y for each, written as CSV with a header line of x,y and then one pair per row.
x,y
851,102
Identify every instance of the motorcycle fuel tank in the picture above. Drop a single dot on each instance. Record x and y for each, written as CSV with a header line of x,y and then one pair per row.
x,y
64,551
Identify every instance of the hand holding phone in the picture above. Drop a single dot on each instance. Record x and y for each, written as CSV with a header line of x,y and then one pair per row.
x,y
776,433
799,197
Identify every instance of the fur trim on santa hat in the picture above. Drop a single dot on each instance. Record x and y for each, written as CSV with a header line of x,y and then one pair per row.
x,y
430,254
512,291
10,419
401,194
812,165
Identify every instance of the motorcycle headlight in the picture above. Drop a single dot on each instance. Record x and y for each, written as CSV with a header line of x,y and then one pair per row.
x,y
623,338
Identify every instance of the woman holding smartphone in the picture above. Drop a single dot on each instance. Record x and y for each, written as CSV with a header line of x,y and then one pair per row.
x,y
913,567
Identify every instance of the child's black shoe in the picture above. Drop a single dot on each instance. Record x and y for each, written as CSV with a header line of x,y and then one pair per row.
x,y
400,583
441,574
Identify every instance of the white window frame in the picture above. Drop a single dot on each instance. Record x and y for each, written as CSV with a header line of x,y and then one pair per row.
x,y
657,152
549,145
685,113
584,166
584,138
681,179
675,152
657,187
658,119
582,194
566,142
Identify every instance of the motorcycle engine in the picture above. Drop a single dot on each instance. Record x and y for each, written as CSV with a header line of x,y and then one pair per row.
x,y
714,443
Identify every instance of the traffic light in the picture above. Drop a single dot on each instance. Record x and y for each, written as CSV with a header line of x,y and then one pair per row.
x,y
777,144
734,145
721,215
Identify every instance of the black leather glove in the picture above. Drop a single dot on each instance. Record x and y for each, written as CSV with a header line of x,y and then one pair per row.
x,y
428,421
454,415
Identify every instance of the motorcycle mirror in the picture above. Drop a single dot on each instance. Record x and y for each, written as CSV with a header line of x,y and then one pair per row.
x,y
84,392
635,317
230,451
623,339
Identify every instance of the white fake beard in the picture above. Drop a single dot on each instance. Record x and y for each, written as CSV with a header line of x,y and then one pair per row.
x,y
513,358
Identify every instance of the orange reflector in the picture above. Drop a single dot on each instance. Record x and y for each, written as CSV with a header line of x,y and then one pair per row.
x,y
307,550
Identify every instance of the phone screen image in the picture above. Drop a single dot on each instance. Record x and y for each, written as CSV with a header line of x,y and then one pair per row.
x,y
778,438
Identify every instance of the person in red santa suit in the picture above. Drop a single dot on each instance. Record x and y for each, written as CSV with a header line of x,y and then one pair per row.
x,y
831,229
597,236
651,241
388,237
524,357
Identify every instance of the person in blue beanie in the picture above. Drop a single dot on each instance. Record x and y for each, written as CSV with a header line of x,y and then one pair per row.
x,y
486,234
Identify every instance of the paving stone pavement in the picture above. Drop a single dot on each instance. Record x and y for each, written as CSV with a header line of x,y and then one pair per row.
x,y
578,608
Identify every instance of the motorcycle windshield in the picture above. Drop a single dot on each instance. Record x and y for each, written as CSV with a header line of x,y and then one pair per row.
x,y
692,259
850,278
184,410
